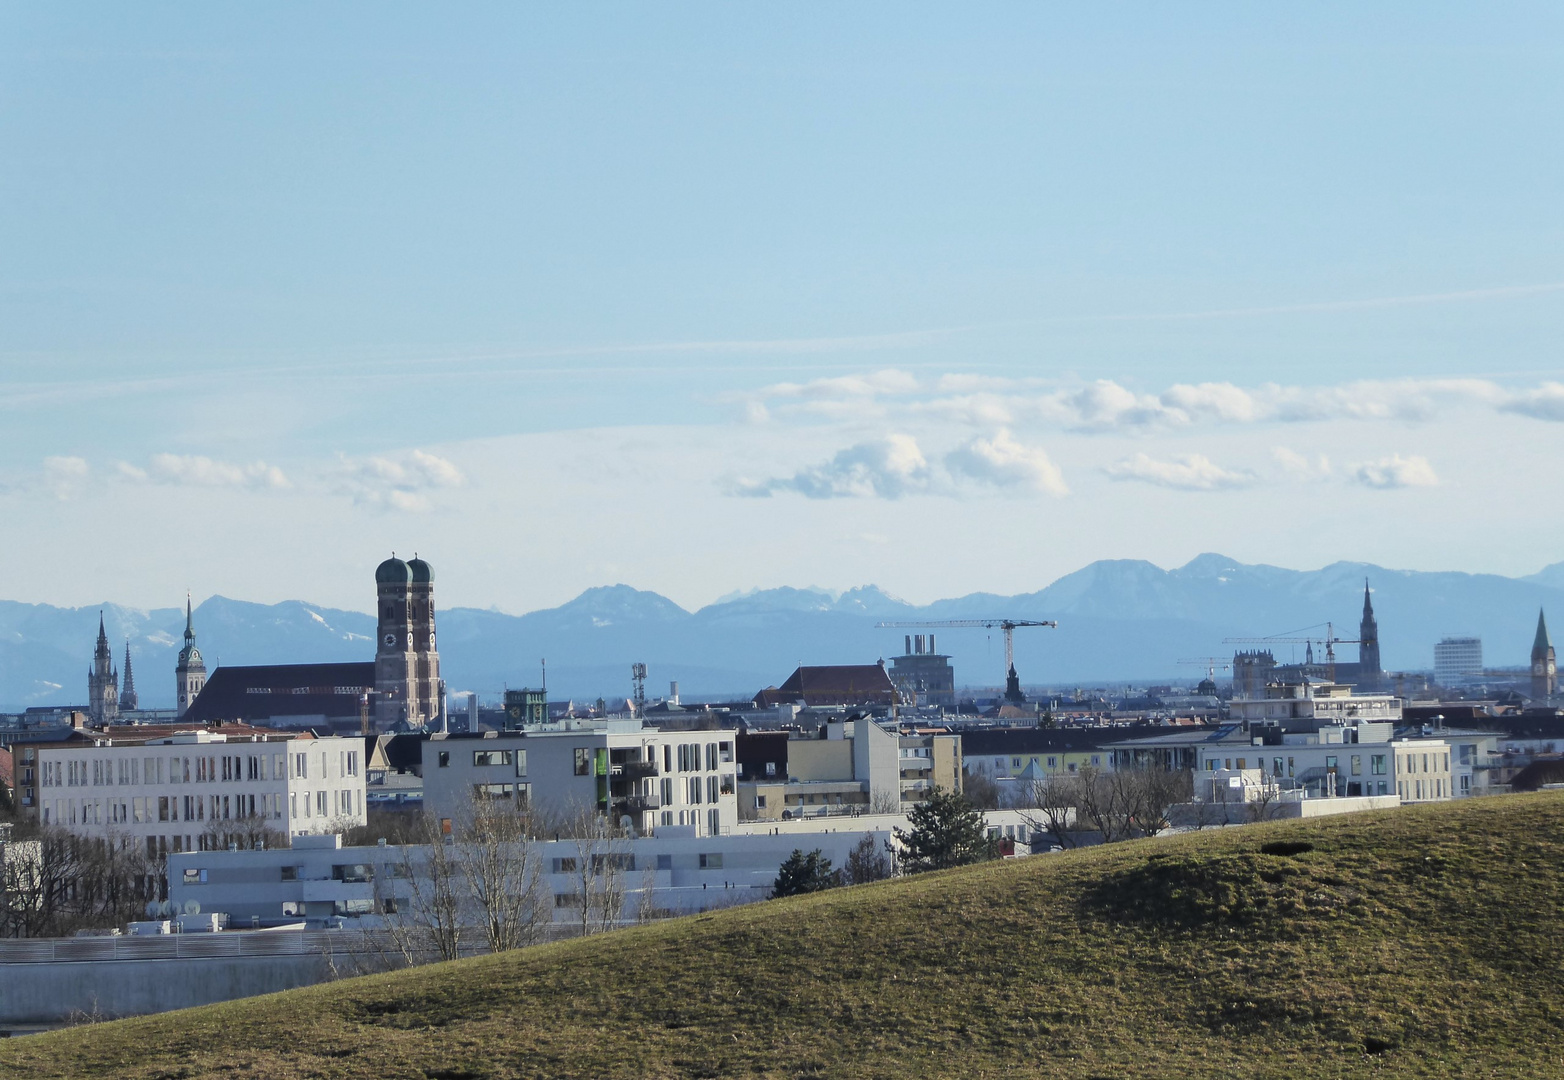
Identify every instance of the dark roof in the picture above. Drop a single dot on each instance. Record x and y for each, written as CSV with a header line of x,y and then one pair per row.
x,y
837,684
257,693
995,742
405,751
1533,776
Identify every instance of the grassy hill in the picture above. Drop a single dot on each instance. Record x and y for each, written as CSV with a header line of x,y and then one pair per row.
x,y
1419,942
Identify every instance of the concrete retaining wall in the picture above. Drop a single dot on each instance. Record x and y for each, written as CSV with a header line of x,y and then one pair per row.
x,y
45,995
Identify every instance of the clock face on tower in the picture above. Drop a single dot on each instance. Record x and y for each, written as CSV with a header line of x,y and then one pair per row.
x,y
409,639
431,640
390,639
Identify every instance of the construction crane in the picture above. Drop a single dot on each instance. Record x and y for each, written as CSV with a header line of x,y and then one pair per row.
x,y
1012,682
1330,641
1210,663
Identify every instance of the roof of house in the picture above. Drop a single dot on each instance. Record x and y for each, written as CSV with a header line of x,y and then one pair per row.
x,y
262,692
1032,740
833,684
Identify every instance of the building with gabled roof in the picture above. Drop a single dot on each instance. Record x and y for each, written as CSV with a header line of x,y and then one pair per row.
x,y
849,685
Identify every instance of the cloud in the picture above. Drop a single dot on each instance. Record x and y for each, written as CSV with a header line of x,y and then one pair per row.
x,y
1106,405
64,476
1006,463
1396,471
400,483
886,468
197,471
1299,466
1192,472
1546,402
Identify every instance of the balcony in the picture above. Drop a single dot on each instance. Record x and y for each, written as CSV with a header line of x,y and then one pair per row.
x,y
632,770
635,805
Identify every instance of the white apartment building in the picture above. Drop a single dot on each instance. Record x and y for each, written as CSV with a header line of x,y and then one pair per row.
x,y
658,780
172,790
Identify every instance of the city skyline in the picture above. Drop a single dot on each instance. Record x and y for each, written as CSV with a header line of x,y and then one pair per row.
x,y
703,304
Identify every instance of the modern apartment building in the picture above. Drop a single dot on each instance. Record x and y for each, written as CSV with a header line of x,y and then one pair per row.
x,y
1457,659
623,768
172,789
845,767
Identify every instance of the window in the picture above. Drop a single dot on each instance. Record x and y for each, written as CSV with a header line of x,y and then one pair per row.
x,y
583,761
353,872
667,791
320,804
1276,766
711,757
445,758
760,802
290,873
1053,763
1377,764
491,757
727,784
194,877
711,789
712,861
521,763
1357,765
1015,763
565,865
665,862
1330,763
771,768
494,791
714,821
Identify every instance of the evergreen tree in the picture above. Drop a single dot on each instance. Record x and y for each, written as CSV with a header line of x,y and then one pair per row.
x,y
803,873
947,830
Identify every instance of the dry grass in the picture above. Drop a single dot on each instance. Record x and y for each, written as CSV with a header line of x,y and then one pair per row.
x,y
1418,942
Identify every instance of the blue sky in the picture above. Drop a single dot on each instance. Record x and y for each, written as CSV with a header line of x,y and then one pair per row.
x,y
706,297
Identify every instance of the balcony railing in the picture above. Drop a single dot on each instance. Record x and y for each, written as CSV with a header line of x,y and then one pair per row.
x,y
633,770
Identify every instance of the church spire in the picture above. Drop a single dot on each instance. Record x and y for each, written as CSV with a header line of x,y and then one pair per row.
x,y
127,694
1541,643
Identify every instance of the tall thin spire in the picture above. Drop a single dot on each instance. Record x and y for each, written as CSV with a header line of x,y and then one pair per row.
x,y
127,694
189,621
1541,643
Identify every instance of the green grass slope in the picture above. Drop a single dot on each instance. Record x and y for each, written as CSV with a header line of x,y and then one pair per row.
x,y
1419,942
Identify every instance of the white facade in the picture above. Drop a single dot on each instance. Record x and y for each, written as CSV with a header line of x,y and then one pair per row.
x,y
656,779
178,792
1457,659
1326,764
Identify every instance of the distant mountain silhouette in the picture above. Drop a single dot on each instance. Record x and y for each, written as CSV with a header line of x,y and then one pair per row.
x,y
1119,620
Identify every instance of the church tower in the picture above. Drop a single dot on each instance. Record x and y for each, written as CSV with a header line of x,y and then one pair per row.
x,y
428,690
1370,674
102,681
408,687
127,695
190,672
1544,665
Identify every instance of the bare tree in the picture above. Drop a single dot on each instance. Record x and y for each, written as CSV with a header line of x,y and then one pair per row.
x,y
884,802
429,918
866,863
1053,804
500,866
980,789
598,870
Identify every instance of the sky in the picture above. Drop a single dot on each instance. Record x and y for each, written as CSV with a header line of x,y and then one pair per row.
x,y
704,298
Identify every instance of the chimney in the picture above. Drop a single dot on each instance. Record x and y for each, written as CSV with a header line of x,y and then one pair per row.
x,y
673,692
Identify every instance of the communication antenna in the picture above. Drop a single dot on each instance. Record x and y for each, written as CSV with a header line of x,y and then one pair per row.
x,y
192,907
638,677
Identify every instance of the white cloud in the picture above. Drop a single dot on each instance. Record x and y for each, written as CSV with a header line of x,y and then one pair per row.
x,y
400,483
197,471
1004,462
1191,472
1396,471
1546,402
64,476
1300,466
886,468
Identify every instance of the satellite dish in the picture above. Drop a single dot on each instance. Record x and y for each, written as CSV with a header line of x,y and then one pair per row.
x,y
165,908
192,907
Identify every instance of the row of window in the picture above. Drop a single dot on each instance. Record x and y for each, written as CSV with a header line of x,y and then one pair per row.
x,y
1422,789
1288,766
149,808
126,771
